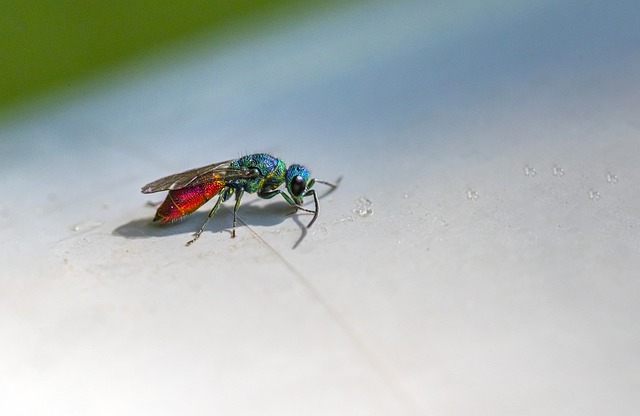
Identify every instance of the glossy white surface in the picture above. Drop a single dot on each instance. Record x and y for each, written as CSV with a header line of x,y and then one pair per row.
x,y
497,274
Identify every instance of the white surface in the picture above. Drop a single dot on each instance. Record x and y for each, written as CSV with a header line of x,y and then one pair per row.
x,y
498,274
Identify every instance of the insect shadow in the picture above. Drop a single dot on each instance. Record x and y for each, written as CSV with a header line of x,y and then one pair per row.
x,y
250,214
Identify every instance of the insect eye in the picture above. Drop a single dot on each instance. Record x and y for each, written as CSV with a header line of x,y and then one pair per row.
x,y
297,185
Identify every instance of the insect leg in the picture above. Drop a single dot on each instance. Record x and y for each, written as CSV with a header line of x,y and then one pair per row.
x,y
315,196
235,210
271,194
211,213
315,201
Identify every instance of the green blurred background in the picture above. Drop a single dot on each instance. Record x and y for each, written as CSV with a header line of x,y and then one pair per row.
x,y
46,44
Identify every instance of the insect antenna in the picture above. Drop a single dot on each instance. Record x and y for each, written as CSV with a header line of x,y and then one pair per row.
x,y
331,184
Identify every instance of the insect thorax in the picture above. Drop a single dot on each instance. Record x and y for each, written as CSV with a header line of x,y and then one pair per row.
x,y
271,169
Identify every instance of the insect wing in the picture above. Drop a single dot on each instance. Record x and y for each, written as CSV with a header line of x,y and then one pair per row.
x,y
198,176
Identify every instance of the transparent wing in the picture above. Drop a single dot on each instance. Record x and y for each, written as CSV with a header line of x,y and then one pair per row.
x,y
199,176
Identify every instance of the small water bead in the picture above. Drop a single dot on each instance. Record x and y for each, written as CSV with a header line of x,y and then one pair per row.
x,y
594,195
530,171
363,207
86,225
558,171
472,195
612,178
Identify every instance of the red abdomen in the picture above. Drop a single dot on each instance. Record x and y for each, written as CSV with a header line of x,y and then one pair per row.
x,y
184,201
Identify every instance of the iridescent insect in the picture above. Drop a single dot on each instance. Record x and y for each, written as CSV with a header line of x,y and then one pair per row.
x,y
260,172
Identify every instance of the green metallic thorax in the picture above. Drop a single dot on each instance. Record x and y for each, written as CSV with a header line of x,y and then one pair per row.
x,y
272,171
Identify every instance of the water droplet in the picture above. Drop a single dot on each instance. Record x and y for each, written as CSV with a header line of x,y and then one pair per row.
x,y
406,196
363,207
529,171
86,226
612,178
472,195
594,195
558,171
348,218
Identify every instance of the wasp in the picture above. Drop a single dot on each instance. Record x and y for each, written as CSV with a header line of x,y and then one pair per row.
x,y
258,173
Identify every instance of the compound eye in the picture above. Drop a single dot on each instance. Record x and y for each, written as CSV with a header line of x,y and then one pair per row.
x,y
297,185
